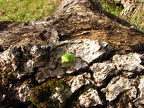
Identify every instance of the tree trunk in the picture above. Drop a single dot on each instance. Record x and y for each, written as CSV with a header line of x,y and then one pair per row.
x,y
31,68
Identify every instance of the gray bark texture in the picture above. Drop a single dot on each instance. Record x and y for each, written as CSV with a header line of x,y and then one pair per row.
x,y
107,72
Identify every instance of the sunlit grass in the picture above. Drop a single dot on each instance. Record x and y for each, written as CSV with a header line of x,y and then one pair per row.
x,y
112,8
136,19
26,10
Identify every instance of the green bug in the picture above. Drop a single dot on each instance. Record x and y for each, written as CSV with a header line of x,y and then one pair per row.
x,y
67,58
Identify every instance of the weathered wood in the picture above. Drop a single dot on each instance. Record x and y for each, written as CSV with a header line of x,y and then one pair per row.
x,y
30,60
76,19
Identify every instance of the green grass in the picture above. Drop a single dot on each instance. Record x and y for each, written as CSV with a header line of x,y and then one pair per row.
x,y
136,19
112,8
26,10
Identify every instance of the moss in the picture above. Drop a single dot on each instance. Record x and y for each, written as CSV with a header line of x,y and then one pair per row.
x,y
41,95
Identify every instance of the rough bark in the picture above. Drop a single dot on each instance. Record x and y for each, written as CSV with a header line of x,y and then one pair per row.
x,y
32,74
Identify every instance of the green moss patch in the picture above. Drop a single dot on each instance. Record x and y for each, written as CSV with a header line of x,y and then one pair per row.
x,y
50,94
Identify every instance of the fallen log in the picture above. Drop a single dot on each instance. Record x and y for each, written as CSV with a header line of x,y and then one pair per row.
x,y
107,70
